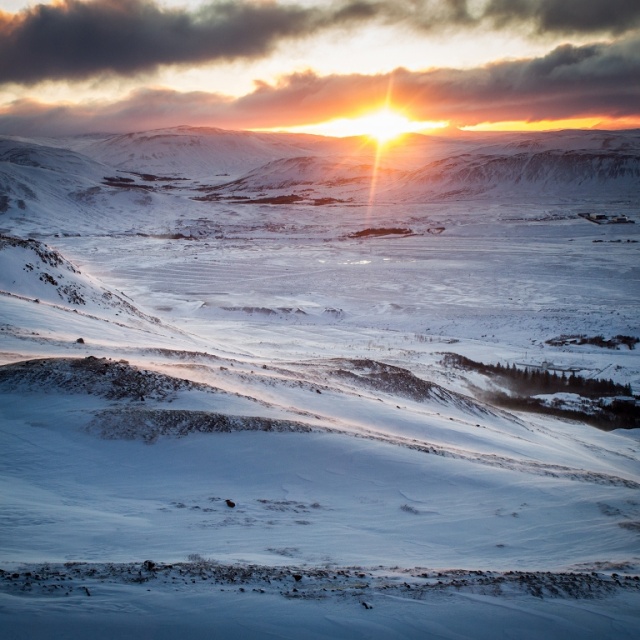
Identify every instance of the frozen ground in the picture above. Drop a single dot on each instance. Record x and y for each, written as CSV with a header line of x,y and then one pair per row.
x,y
264,354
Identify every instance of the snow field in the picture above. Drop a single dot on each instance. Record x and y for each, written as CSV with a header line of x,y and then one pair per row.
x,y
275,316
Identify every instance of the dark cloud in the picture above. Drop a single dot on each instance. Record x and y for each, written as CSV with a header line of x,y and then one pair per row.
x,y
541,16
595,80
78,39
567,16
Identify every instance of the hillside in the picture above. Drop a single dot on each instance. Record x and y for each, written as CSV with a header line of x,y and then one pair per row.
x,y
554,173
198,153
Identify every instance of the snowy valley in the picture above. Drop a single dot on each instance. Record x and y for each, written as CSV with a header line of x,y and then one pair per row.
x,y
271,385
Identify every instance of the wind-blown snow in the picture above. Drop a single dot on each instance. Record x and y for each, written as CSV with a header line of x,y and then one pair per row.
x,y
213,405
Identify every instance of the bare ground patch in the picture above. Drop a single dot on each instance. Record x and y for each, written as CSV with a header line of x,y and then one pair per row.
x,y
136,423
358,584
111,379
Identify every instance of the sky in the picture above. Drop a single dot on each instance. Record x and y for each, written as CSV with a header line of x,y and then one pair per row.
x,y
81,66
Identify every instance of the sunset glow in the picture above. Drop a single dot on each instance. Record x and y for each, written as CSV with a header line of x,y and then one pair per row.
x,y
383,126
554,125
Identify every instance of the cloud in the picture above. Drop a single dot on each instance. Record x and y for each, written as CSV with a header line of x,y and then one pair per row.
x,y
541,16
79,39
567,16
76,39
594,80
143,109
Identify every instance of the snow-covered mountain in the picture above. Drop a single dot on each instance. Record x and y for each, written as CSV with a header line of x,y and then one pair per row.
x,y
42,183
337,177
550,173
199,153
38,181
524,174
573,167
45,187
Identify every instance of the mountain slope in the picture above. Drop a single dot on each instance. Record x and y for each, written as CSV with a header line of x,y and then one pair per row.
x,y
46,188
339,177
553,173
138,181
30,269
38,182
200,153
564,164
516,485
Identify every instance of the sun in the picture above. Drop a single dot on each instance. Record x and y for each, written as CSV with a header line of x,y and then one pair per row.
x,y
382,126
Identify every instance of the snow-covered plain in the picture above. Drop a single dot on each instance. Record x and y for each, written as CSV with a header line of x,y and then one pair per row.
x,y
172,339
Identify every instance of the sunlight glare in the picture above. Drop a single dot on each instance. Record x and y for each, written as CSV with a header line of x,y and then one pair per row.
x,y
383,126
604,122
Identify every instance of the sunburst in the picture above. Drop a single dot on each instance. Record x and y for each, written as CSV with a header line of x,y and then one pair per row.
x,y
383,126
